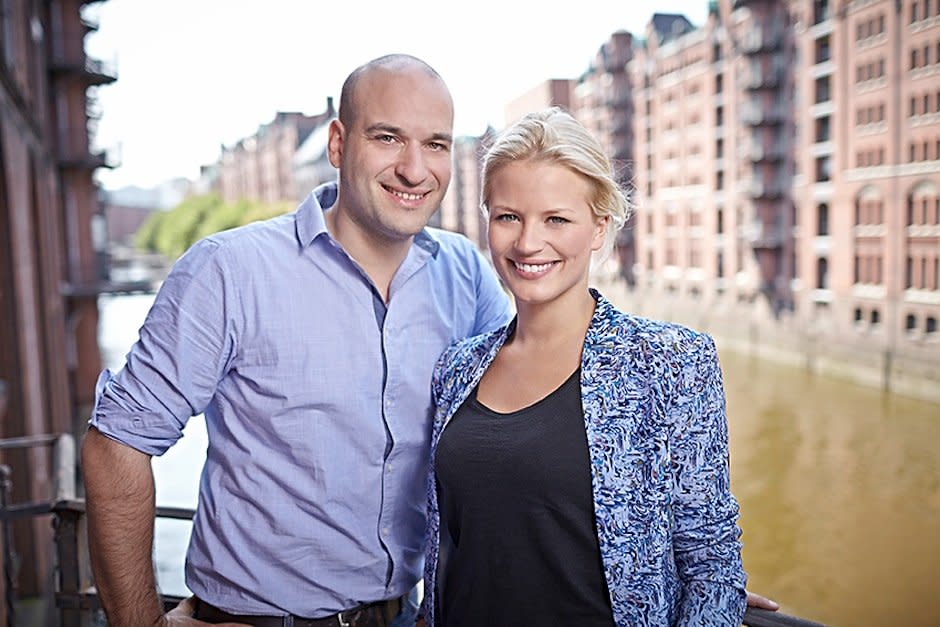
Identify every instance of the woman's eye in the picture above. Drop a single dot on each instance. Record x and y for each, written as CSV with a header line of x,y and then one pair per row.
x,y
506,217
558,220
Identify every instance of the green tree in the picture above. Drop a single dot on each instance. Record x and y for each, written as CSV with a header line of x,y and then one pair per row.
x,y
172,232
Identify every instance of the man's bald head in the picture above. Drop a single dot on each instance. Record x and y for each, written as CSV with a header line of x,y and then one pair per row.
x,y
389,62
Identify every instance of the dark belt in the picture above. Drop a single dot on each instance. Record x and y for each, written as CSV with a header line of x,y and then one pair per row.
x,y
377,614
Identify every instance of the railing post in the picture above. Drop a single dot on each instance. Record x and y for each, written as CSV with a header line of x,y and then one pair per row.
x,y
67,525
6,486
63,464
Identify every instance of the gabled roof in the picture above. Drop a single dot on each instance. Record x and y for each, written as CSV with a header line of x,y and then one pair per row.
x,y
669,26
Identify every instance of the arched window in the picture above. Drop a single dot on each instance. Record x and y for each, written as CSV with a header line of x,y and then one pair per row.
x,y
923,197
910,323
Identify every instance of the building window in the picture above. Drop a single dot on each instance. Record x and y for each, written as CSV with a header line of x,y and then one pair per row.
x,y
822,89
910,322
820,11
822,49
719,83
822,129
909,273
720,221
822,273
857,270
719,148
931,326
719,116
822,219
858,315
914,11
720,265
823,169
875,317
720,180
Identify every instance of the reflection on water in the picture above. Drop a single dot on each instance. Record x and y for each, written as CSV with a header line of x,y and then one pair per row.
x,y
839,488
840,495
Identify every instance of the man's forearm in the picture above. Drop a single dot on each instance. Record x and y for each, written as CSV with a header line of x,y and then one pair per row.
x,y
119,492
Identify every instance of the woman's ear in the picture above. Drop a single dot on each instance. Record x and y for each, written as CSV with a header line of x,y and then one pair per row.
x,y
601,225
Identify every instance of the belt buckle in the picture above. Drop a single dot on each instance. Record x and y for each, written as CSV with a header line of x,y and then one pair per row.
x,y
343,620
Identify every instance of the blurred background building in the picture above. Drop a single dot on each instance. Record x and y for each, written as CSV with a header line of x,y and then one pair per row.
x,y
785,166
50,249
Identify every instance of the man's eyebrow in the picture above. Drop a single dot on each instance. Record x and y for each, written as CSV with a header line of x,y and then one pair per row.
x,y
384,128
442,137
381,127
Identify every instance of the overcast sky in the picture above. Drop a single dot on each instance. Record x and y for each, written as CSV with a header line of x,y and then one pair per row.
x,y
196,74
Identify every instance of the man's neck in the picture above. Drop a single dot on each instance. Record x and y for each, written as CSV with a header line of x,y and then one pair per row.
x,y
379,257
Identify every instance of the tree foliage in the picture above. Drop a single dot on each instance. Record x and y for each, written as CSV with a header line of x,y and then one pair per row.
x,y
172,232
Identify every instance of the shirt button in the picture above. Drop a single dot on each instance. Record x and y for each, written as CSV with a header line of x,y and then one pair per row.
x,y
388,468
385,531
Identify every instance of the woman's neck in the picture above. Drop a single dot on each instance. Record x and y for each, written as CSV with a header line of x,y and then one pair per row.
x,y
558,323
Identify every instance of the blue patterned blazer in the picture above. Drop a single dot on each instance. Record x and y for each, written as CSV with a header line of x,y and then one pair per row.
x,y
654,412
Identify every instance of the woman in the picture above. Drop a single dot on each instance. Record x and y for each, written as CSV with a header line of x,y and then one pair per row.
x,y
579,471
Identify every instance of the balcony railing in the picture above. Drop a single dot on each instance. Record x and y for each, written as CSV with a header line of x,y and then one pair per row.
x,y
75,594
95,71
754,114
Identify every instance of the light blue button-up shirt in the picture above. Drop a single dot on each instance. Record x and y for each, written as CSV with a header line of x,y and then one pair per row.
x,y
317,404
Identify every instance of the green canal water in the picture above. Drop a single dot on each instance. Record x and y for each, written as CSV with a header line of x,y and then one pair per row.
x,y
839,487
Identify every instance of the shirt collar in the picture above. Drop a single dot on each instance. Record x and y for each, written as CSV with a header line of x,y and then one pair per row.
x,y
310,222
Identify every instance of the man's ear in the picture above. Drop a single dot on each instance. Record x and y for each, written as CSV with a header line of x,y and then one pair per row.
x,y
334,146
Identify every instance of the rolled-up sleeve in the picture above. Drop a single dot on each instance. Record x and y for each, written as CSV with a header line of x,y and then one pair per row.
x,y
173,370
707,550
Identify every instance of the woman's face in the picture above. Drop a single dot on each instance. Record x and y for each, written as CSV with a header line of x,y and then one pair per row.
x,y
542,230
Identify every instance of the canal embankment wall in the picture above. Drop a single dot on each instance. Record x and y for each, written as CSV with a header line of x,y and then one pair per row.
x,y
912,371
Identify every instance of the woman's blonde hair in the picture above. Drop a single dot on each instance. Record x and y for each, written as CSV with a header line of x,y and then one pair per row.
x,y
554,136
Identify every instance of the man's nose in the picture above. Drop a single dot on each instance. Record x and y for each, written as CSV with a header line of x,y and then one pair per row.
x,y
412,167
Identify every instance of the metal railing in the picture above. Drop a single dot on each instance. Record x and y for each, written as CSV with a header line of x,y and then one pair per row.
x,y
76,595
63,464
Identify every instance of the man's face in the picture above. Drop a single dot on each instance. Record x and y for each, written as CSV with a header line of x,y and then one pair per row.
x,y
394,156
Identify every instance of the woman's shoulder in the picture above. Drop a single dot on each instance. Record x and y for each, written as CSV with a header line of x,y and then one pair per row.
x,y
617,324
462,352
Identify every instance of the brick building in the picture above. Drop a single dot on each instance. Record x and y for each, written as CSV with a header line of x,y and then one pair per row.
x,y
49,259
784,160
261,167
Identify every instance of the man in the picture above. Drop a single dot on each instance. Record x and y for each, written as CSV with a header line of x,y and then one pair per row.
x,y
308,342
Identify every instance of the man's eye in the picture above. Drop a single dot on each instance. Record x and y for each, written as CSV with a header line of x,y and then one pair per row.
x,y
386,139
439,146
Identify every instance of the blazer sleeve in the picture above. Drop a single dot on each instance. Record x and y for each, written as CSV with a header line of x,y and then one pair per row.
x,y
705,541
